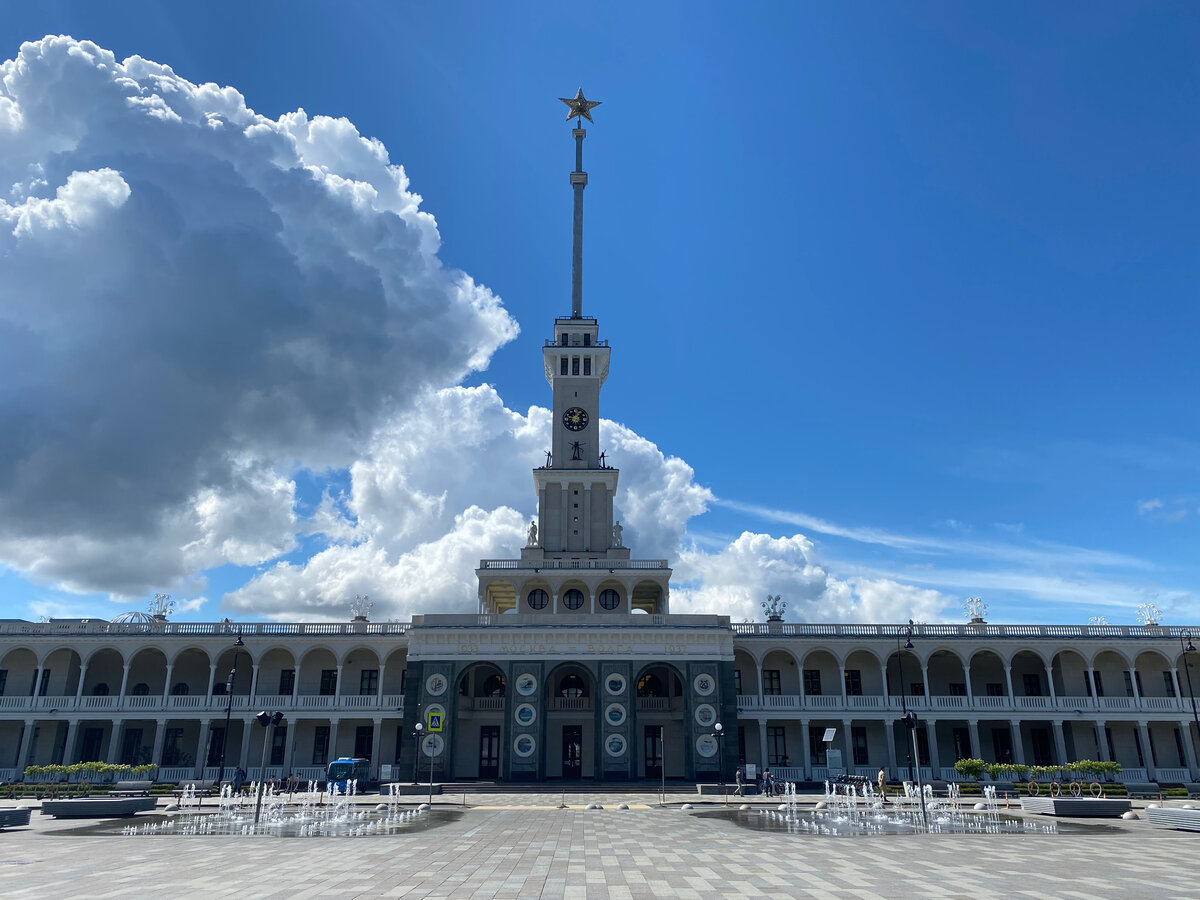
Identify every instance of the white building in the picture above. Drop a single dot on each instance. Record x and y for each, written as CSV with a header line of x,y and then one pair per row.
x,y
574,667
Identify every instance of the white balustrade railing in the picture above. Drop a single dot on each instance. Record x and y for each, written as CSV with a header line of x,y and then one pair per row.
x,y
367,701
949,702
585,703
175,773
315,701
949,773
99,702
149,701
811,701
1160,703
187,701
1033,703
1076,703
866,701
496,704
991,702
1117,703
783,774
747,701
1133,773
16,702
273,702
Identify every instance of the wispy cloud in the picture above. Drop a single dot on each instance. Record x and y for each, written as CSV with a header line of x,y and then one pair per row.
x,y
1145,507
1031,552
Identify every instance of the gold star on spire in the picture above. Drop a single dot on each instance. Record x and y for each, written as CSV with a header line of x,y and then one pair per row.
x,y
580,105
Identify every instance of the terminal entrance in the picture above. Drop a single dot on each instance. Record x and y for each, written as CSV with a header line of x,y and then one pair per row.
x,y
572,752
652,742
489,751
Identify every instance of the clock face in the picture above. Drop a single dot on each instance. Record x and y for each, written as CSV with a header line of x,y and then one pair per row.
x,y
575,419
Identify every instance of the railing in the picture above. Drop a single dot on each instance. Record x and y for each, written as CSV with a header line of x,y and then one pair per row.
x,y
492,704
794,701
991,702
99,702
949,773
176,773
199,629
255,773
864,771
187,701
1033,702
367,701
949,702
571,703
8,774
746,701
611,565
569,620
1160,703
16,702
1116,703
783,774
1096,632
866,701
1133,773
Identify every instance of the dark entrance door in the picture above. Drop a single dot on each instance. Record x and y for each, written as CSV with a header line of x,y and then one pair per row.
x,y
489,751
1042,752
1002,745
92,739
652,742
572,751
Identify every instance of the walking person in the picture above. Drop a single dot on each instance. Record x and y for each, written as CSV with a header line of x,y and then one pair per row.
x,y
881,779
740,790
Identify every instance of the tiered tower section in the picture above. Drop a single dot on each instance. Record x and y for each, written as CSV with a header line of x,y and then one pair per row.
x,y
575,561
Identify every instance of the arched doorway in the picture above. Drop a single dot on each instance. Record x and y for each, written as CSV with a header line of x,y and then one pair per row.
x,y
477,742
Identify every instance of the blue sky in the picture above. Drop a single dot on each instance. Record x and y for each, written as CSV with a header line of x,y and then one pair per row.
x,y
915,281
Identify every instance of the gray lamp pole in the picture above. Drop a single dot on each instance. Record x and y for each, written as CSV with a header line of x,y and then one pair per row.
x,y
1187,670
418,728
720,732
910,718
238,645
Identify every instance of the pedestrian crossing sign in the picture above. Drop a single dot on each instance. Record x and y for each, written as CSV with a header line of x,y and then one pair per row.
x,y
435,721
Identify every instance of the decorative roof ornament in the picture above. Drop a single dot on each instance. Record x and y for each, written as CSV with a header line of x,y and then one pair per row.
x,y
161,606
1149,614
774,607
360,608
1098,620
580,106
975,609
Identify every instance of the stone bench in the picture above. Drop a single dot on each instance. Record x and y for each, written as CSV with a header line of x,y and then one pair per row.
x,y
202,786
1183,819
1077,807
98,809
11,818
130,789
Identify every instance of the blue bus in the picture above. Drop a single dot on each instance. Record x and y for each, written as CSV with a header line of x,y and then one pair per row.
x,y
342,771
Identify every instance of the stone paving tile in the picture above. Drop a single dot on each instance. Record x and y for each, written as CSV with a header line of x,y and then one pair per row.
x,y
512,847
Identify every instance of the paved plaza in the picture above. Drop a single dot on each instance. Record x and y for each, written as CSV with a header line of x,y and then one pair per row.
x,y
520,845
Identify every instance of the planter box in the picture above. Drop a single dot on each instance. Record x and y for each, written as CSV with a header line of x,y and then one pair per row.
x,y
1076,807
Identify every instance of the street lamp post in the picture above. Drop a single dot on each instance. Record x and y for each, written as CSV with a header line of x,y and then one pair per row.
x,y
1186,646
417,729
238,645
268,721
910,718
719,730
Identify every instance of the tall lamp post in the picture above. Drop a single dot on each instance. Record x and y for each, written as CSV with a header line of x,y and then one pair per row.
x,y
268,721
1186,646
238,645
417,729
719,733
910,718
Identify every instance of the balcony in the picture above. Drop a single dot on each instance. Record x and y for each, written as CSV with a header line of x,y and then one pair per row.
x,y
952,703
185,704
574,704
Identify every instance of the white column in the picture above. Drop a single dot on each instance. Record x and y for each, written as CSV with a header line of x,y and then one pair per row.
x,y
167,683
79,687
1102,739
804,751
883,680
889,731
212,679
337,688
976,746
1050,684
1147,749
37,681
248,730
333,738
1060,742
848,744
114,740
69,747
1189,746
295,685
289,745
202,748
160,736
379,686
935,760
253,685
970,692
1014,726
23,753
925,682
124,684
762,743
1133,686
375,735
1012,698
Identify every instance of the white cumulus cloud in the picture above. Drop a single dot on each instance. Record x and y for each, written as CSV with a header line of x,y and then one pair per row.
x,y
197,301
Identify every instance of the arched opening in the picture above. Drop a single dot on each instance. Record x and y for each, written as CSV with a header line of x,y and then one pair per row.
x,y
647,597
148,676
276,678
479,725
570,727
660,731
60,673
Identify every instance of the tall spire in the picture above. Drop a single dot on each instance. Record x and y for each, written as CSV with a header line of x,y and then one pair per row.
x,y
579,108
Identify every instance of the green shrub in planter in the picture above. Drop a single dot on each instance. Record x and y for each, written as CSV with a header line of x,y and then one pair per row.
x,y
970,768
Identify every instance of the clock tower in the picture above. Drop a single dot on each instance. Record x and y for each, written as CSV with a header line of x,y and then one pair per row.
x,y
575,561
